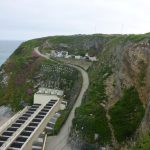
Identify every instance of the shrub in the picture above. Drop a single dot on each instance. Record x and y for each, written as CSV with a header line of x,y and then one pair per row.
x,y
143,143
127,114
90,119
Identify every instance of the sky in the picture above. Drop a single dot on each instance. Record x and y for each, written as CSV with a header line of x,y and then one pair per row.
x,y
28,19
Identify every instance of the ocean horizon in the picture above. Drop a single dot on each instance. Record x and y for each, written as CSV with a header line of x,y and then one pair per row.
x,y
7,48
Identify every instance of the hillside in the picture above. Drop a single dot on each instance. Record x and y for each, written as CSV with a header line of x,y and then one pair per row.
x,y
6,48
118,95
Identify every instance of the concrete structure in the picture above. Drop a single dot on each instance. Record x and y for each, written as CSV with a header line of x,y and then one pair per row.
x,y
39,144
50,91
44,95
22,133
63,105
90,58
68,56
22,130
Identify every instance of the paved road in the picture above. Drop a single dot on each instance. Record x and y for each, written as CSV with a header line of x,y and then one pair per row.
x,y
40,54
59,142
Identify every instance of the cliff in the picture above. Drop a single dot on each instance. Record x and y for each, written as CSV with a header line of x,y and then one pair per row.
x,y
117,99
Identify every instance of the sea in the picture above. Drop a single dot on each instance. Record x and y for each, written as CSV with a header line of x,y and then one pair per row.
x,y
7,48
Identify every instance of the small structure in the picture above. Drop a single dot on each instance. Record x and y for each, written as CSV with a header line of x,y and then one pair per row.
x,y
63,105
65,54
92,58
44,95
59,54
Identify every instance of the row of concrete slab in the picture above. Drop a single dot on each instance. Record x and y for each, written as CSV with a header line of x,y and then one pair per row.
x,y
17,134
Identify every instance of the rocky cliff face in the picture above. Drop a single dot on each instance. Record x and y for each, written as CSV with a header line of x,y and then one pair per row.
x,y
131,64
137,67
127,56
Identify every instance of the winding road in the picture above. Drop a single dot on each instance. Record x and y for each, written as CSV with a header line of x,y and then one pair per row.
x,y
60,141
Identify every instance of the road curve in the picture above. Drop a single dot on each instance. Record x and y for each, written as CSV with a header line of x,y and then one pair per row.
x,y
59,142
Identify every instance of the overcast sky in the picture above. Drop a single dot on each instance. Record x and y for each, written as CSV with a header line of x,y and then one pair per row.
x,y
27,19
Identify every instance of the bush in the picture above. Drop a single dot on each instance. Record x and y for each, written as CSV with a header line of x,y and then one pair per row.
x,y
143,143
90,119
127,114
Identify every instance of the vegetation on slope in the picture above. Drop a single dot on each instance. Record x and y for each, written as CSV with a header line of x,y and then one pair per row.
x,y
90,120
17,76
76,44
20,87
126,114
143,143
91,116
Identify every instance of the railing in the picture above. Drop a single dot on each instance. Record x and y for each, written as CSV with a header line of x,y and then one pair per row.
x,y
44,143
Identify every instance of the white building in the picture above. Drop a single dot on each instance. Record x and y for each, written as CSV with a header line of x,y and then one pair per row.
x,y
86,55
92,58
59,54
53,53
68,56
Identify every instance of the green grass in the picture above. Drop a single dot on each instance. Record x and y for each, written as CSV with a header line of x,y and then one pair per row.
x,y
143,143
96,90
136,38
19,71
20,67
60,122
26,48
90,119
127,114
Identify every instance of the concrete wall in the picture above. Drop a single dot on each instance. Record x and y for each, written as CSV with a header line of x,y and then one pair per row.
x,y
42,125
44,98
